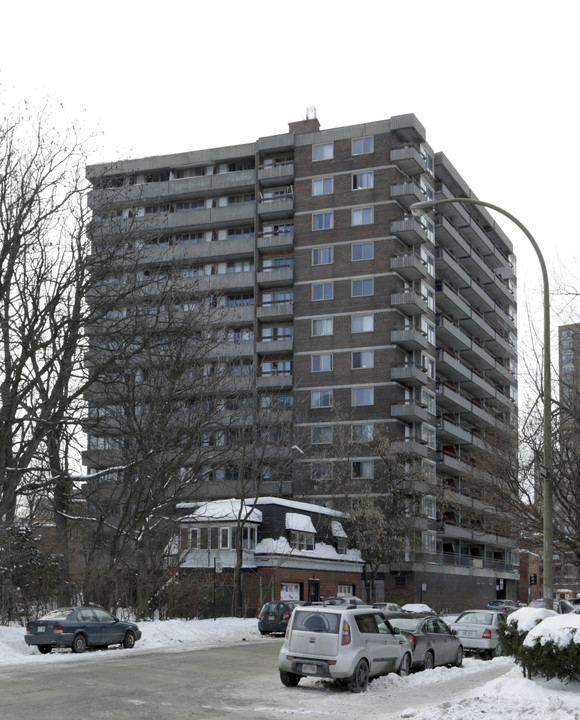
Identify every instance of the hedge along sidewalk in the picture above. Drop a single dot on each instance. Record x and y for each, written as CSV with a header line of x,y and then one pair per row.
x,y
544,643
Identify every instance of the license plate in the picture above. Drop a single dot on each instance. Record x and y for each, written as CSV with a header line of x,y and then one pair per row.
x,y
309,669
271,617
40,628
467,633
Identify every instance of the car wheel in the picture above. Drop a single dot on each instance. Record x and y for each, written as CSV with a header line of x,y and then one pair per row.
x,y
45,649
289,679
429,662
360,678
459,657
129,640
79,644
496,652
405,666
264,632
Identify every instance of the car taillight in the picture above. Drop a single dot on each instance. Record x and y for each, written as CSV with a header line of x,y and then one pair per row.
x,y
486,634
28,628
286,615
346,637
412,640
58,628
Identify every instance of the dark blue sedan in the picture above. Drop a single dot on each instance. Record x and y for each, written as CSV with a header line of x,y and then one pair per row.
x,y
79,628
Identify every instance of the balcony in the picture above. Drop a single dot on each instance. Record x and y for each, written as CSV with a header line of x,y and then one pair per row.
x,y
410,339
283,346
477,295
477,326
409,374
270,175
276,311
409,266
478,386
452,465
478,356
480,416
448,268
450,334
451,432
410,303
409,230
407,193
411,412
450,302
411,445
448,237
282,277
409,160
279,382
452,366
276,241
451,400
276,208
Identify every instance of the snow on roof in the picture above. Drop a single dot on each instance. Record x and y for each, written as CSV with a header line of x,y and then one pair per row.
x,y
302,523
309,507
337,529
225,510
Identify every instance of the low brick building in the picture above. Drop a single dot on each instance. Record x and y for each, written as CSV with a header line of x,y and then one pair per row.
x,y
291,550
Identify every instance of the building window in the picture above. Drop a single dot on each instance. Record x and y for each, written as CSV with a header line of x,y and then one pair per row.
x,y
360,288
362,323
429,542
324,151
363,359
322,256
301,540
322,291
363,181
323,186
322,363
428,365
321,398
321,471
322,435
429,506
363,396
362,470
428,435
361,146
363,251
428,399
362,432
322,326
323,221
362,216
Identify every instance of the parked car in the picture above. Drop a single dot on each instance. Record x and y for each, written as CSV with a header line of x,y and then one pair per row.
x,y
418,607
432,641
560,606
388,607
344,600
342,642
477,631
274,616
506,606
79,628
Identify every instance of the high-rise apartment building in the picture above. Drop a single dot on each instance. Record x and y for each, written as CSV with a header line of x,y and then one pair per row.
x,y
357,314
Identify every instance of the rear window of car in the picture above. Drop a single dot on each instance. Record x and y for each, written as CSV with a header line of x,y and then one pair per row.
x,y
316,621
60,614
478,618
405,623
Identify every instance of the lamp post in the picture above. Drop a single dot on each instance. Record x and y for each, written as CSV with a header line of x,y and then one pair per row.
x,y
421,208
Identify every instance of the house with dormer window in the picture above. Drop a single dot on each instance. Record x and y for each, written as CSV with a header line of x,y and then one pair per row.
x,y
291,550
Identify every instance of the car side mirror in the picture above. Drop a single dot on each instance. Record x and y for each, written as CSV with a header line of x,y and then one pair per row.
x,y
396,631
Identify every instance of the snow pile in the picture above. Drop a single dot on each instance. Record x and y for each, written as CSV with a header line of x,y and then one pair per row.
x,y
528,617
560,629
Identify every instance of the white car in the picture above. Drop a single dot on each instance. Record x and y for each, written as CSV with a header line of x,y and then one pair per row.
x,y
342,642
478,631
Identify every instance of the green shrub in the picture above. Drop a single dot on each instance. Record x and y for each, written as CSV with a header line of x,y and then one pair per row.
x,y
511,639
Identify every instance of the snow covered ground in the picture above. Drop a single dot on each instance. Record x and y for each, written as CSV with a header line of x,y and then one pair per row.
x,y
509,697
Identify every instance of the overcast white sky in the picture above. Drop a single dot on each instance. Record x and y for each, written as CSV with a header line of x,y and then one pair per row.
x,y
495,84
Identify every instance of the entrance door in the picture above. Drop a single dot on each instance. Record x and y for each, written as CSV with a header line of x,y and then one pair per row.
x,y
313,590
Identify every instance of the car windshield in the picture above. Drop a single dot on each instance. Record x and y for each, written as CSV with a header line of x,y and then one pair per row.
x,y
60,614
479,618
316,621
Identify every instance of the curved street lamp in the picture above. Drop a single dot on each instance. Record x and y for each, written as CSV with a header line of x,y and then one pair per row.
x,y
421,208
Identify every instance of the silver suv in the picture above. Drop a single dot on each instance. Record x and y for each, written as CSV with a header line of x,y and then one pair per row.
x,y
342,642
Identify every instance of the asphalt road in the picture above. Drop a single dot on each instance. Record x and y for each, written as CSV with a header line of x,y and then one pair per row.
x,y
236,681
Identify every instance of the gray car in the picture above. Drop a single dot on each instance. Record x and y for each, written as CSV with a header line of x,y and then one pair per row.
x,y
477,631
560,606
342,642
433,641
